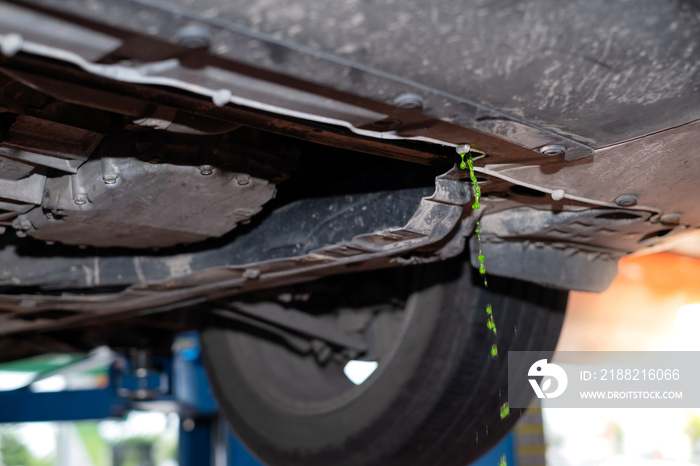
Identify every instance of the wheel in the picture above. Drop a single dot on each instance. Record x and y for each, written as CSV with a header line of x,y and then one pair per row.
x,y
437,395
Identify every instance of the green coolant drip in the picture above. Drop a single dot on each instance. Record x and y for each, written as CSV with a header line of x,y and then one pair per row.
x,y
505,410
472,176
490,323
482,267
477,189
502,461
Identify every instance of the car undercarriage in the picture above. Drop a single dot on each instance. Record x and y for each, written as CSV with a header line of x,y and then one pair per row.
x,y
222,165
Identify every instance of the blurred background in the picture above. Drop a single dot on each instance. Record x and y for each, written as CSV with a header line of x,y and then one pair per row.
x,y
653,305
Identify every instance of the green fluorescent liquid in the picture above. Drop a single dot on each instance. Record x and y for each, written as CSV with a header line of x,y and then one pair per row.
x,y
505,410
490,322
477,197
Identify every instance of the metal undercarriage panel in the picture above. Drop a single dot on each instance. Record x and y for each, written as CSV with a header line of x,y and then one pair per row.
x,y
587,113
127,202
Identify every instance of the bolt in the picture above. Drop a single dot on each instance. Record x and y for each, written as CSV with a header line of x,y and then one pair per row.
x,y
626,200
206,170
154,161
409,101
552,150
49,215
558,194
243,179
25,225
80,198
194,36
109,178
21,234
463,148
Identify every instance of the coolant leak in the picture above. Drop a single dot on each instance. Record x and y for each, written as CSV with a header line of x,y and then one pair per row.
x,y
462,165
505,410
490,321
472,176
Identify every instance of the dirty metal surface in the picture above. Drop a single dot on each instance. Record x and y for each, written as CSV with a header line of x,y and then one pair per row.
x,y
660,169
439,223
127,202
597,72
304,71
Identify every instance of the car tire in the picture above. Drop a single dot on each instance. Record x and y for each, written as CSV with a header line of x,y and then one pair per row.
x,y
437,398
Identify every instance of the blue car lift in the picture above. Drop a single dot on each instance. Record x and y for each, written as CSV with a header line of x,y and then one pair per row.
x,y
179,385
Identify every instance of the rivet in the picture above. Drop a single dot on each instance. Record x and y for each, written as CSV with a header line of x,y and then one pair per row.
x,y
80,199
626,200
206,170
552,150
243,179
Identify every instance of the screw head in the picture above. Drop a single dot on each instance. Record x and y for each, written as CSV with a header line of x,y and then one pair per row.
x,y
552,150
626,200
109,179
194,36
80,199
206,170
243,179
409,100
